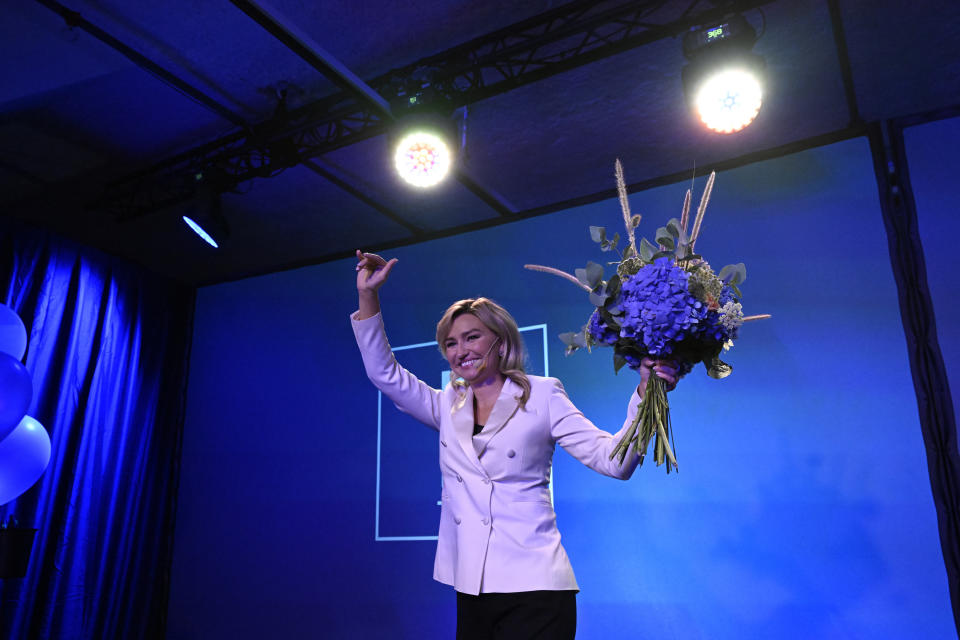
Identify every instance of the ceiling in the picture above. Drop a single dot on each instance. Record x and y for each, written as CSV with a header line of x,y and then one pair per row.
x,y
107,108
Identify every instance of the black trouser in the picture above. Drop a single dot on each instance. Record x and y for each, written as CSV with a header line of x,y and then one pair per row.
x,y
526,615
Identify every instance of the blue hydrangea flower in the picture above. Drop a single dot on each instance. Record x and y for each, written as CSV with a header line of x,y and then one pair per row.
x,y
659,309
711,328
633,361
727,295
601,331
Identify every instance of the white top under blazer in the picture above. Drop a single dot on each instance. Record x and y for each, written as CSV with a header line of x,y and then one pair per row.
x,y
498,530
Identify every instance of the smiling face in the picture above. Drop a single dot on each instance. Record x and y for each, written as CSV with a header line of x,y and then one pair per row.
x,y
472,350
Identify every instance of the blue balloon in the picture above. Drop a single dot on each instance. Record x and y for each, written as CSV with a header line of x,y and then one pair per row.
x,y
13,335
24,454
16,390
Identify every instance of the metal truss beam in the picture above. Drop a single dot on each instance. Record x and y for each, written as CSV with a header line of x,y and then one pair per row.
x,y
75,20
559,40
300,43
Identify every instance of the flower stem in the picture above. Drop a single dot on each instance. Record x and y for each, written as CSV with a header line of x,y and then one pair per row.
x,y
652,422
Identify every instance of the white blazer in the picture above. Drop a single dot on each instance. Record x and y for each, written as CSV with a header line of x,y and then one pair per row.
x,y
498,529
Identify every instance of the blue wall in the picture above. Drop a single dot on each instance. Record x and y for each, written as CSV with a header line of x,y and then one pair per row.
x,y
802,507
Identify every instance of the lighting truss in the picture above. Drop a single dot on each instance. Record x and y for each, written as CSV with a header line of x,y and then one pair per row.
x,y
564,38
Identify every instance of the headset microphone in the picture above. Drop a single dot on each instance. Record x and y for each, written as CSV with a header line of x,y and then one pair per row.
x,y
483,363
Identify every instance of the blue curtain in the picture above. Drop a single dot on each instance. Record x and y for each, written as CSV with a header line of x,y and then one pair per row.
x,y
107,353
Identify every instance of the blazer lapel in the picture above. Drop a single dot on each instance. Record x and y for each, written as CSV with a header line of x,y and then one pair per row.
x,y
504,409
461,415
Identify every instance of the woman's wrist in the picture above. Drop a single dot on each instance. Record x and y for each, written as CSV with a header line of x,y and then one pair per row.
x,y
369,303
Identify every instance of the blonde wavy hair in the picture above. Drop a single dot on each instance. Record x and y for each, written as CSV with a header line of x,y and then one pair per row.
x,y
502,324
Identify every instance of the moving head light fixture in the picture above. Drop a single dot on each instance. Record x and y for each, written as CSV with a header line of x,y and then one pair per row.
x,y
424,135
204,215
723,81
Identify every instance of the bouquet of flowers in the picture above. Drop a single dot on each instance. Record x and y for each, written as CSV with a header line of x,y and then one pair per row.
x,y
663,302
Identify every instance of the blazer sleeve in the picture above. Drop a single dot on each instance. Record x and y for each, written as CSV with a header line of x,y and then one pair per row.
x,y
410,394
584,440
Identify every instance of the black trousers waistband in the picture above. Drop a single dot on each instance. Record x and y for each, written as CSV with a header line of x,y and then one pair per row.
x,y
525,615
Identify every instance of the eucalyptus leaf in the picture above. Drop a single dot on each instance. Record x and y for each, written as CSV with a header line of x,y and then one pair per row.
x,y
567,338
598,298
613,287
618,362
665,238
598,234
677,231
613,284
580,339
733,274
609,319
594,274
646,250
610,245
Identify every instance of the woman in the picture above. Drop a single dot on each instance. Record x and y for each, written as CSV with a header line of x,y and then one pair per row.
x,y
498,544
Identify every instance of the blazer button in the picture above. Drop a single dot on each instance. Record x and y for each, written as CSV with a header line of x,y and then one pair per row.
x,y
459,479
485,521
486,481
511,453
443,443
456,519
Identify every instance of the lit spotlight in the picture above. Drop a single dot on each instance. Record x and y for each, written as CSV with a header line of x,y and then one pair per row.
x,y
729,100
204,215
422,158
200,231
724,80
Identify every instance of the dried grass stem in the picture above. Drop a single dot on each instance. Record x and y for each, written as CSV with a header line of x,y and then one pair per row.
x,y
557,272
624,204
702,209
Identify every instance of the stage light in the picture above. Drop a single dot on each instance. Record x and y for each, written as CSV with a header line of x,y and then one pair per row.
x,y
422,158
729,100
201,230
723,81
423,137
205,218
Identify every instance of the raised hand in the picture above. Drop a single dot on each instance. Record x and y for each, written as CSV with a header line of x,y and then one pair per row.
x,y
372,271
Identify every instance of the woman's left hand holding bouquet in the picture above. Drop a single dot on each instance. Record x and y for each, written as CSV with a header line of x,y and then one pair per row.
x,y
663,369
